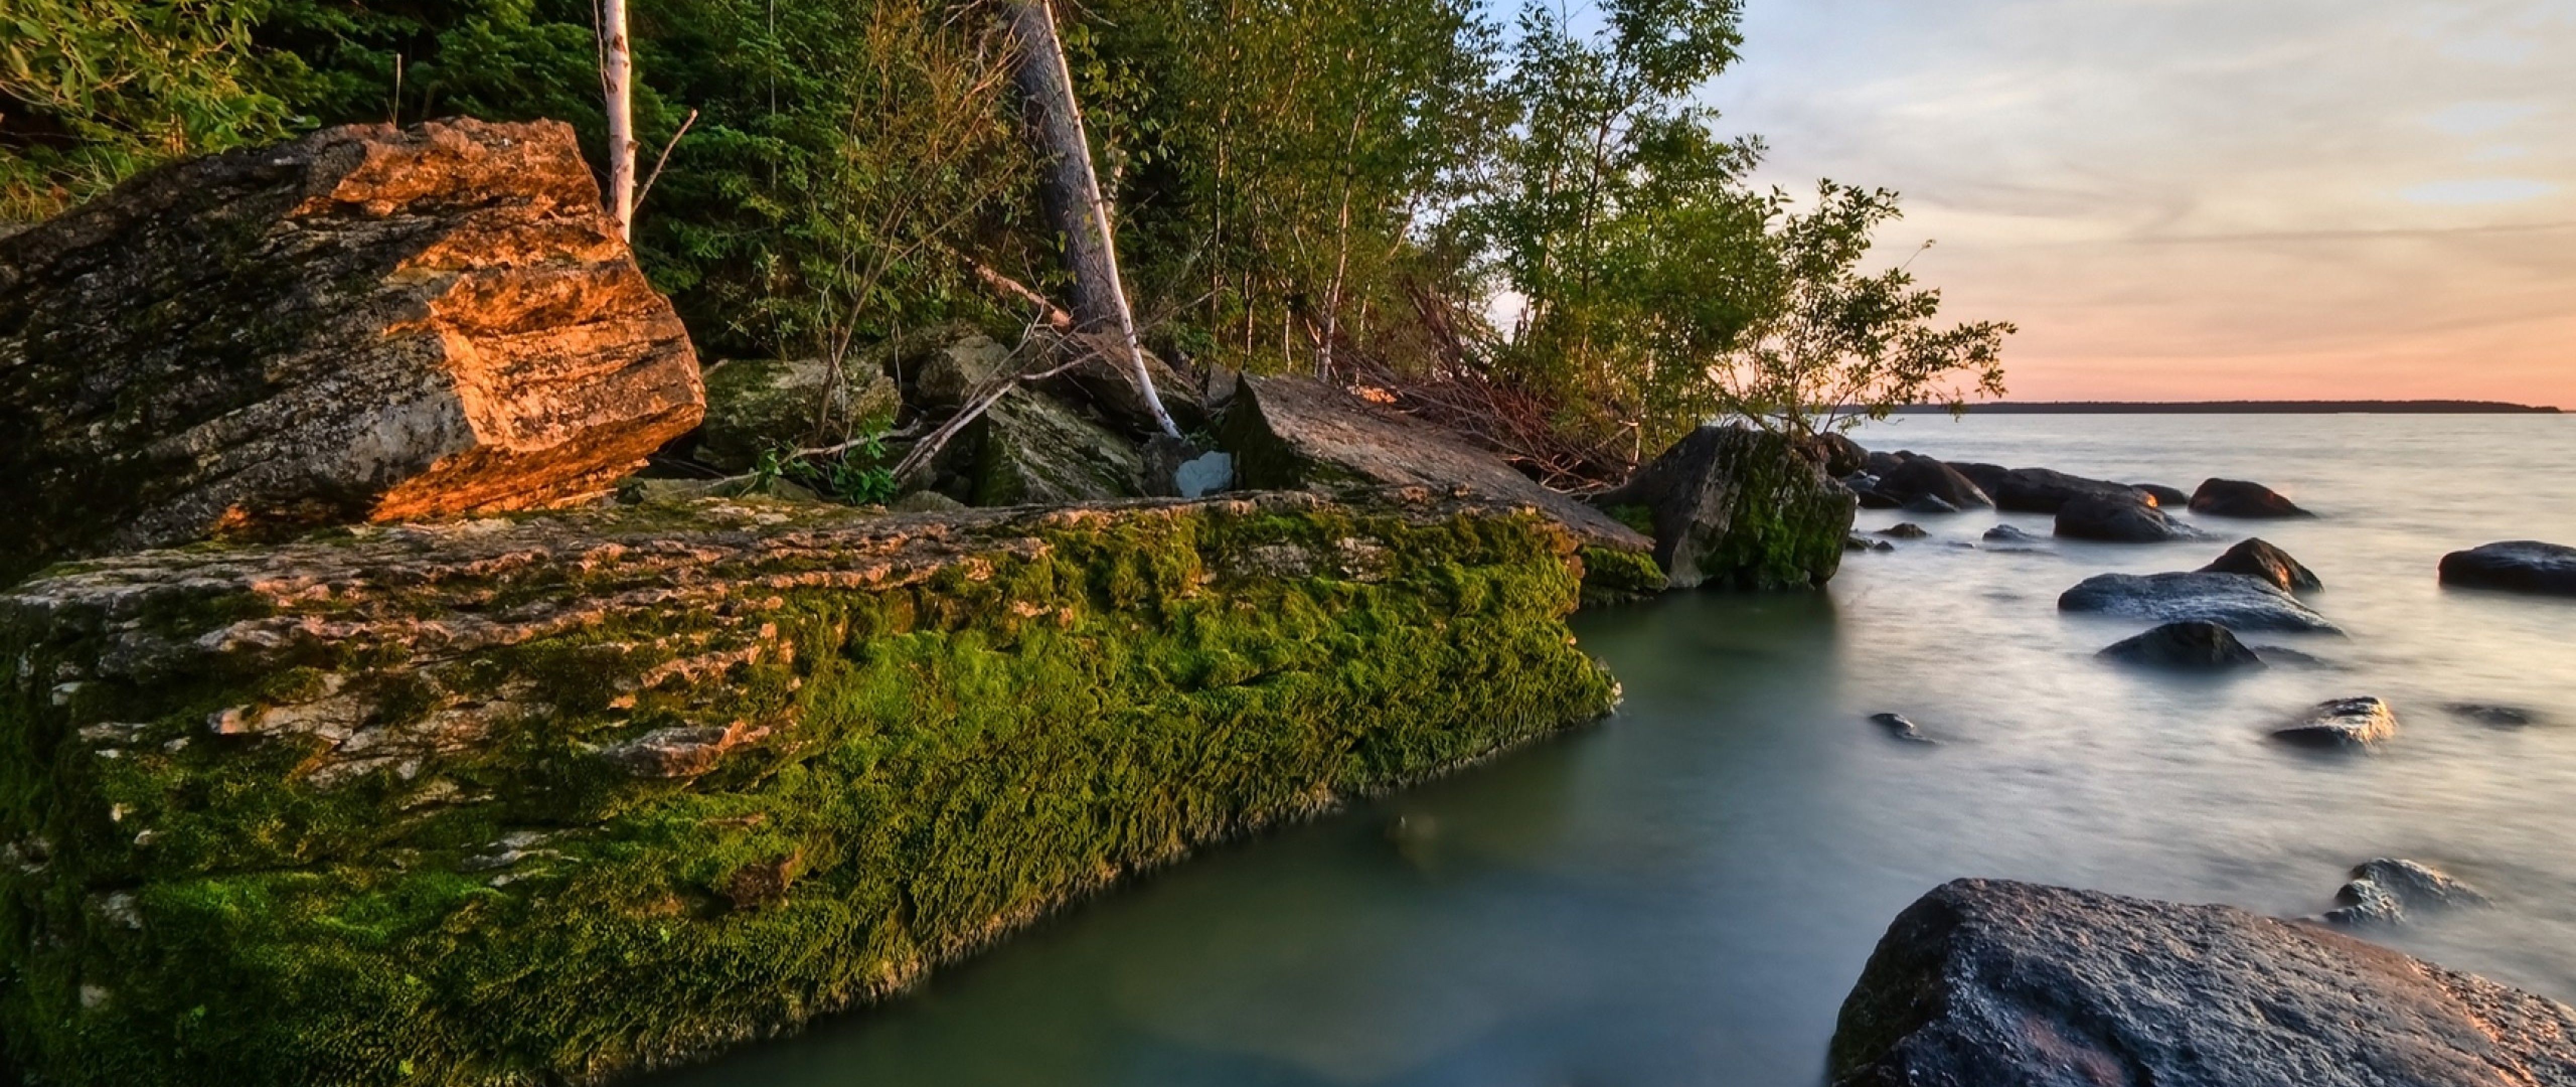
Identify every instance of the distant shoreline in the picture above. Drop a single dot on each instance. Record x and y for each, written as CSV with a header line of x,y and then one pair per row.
x,y
2242,407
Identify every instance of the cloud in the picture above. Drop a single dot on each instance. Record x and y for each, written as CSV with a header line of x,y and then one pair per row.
x,y
2281,198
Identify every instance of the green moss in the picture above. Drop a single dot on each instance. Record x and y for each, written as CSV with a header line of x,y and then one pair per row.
x,y
943,762
1612,576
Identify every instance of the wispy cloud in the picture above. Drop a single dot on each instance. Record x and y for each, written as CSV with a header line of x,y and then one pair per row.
x,y
2185,198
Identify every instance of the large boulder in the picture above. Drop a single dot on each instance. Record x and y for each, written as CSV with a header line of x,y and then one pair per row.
x,y
2238,498
1840,455
367,324
2043,490
1917,477
2263,562
2190,646
2121,517
1030,449
1986,983
2233,601
1292,434
2522,566
1740,508
549,798
758,405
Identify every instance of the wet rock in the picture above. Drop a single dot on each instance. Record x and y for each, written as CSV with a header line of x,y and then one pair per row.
x,y
2344,722
1838,453
2233,601
2263,562
1739,508
2127,517
367,324
1987,477
1987,983
2194,646
2172,498
1905,530
2238,498
755,405
2387,892
2285,657
1296,434
1865,487
2041,490
1916,477
2497,716
2010,534
1898,726
2522,566
1928,503
1857,542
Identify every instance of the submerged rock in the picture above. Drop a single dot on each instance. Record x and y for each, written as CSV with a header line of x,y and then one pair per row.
x,y
2265,563
2387,892
1905,530
2238,498
367,324
2010,534
2498,716
2522,566
1856,542
554,797
1898,726
2344,722
1987,983
2197,646
1740,508
2233,601
2128,517
1916,477
1928,503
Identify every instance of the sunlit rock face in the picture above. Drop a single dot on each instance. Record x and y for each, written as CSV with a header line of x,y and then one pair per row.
x,y
366,324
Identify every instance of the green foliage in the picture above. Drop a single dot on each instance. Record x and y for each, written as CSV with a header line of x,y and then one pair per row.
x,y
858,475
945,760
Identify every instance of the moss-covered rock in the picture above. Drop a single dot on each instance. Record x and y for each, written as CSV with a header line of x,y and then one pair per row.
x,y
534,800
1739,508
754,405
1030,449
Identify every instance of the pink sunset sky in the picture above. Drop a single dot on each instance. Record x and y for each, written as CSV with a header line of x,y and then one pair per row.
x,y
2207,199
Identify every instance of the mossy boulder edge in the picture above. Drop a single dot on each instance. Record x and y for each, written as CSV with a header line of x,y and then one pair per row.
x,y
553,797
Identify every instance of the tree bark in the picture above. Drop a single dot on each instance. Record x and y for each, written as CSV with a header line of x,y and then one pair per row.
x,y
616,76
1070,191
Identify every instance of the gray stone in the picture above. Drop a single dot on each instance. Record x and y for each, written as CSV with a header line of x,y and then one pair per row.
x,y
755,405
2233,601
2263,562
1905,530
1902,728
2192,646
2388,891
2126,517
2041,490
2344,722
1032,450
2522,566
1987,983
2238,498
1740,508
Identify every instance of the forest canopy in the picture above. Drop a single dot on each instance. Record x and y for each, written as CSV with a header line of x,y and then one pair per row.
x,y
1532,215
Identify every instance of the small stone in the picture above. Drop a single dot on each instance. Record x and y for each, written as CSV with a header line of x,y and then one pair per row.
x,y
2197,646
1906,530
1898,726
2498,716
2386,891
2345,722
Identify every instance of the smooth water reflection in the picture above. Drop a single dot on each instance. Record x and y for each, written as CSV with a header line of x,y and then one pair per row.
x,y
1683,894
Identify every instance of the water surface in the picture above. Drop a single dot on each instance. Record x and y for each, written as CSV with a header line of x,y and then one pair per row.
x,y
1683,894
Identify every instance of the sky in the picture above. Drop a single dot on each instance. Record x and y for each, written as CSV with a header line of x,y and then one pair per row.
x,y
2206,199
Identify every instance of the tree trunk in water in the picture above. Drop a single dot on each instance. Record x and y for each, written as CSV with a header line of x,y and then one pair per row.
x,y
616,77
1071,191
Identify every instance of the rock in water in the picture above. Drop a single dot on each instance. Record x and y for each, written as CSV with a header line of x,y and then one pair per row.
x,y
2386,892
1740,508
2522,566
550,798
2010,534
1917,477
368,323
2493,715
2233,601
2266,563
1905,530
2344,722
2041,490
1899,726
2238,498
2125,517
1840,455
2194,646
2171,498
1986,983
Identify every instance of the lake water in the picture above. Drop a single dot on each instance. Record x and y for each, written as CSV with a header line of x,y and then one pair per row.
x,y
1683,894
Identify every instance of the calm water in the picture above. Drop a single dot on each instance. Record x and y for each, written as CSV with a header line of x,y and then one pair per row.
x,y
1684,894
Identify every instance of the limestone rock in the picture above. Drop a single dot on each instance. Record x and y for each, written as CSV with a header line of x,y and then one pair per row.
x,y
1998,984
1740,508
2263,562
1293,434
2521,566
754,405
367,324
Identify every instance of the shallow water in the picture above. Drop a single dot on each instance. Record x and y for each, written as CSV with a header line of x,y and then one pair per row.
x,y
1683,894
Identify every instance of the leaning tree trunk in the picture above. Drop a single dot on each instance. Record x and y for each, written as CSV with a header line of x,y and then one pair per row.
x,y
1070,191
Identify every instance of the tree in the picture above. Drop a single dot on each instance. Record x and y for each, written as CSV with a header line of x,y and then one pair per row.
x,y
616,73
